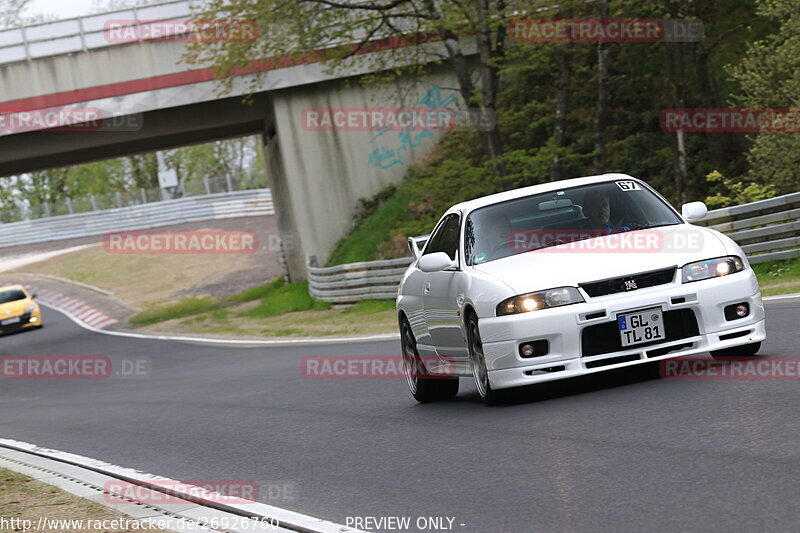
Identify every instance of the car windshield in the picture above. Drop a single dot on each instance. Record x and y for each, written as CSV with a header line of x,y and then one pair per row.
x,y
11,296
568,215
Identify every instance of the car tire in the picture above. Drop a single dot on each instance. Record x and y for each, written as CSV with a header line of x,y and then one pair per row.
x,y
479,372
424,387
746,350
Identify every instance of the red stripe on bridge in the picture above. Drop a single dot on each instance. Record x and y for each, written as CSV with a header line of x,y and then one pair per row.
x,y
191,76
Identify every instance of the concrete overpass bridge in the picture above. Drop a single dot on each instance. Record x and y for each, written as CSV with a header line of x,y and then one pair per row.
x,y
150,100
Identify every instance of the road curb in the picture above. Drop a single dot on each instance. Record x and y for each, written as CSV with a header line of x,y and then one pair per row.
x,y
236,343
27,458
782,297
80,312
76,283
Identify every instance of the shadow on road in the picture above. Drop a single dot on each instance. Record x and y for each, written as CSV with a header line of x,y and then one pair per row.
x,y
552,390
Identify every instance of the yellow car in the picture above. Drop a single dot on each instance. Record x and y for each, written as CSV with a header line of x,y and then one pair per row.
x,y
18,310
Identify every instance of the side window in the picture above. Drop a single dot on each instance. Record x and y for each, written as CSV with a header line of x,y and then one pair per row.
x,y
445,239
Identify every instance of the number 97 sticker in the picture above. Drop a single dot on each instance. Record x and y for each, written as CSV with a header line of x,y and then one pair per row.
x,y
628,186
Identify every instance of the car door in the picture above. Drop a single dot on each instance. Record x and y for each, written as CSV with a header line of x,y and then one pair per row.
x,y
413,291
440,300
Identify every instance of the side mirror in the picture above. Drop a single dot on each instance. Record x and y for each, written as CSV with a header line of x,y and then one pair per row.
x,y
33,296
435,262
416,244
694,211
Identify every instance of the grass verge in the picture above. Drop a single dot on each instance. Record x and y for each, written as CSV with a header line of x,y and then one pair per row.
x,y
139,279
255,320
779,277
27,499
274,309
276,297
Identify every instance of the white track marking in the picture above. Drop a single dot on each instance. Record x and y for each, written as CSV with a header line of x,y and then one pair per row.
x,y
204,502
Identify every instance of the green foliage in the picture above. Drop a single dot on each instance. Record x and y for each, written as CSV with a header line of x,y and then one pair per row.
x,y
373,229
643,79
336,32
366,307
778,277
728,192
368,206
768,78
256,293
775,270
282,298
239,158
276,298
185,307
774,159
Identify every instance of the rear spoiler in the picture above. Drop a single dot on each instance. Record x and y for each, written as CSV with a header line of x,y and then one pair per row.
x,y
416,244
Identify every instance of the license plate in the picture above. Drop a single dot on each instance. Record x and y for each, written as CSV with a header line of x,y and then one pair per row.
x,y
641,326
8,321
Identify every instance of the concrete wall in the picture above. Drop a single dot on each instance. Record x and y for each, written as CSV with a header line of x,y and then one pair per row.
x,y
325,173
97,67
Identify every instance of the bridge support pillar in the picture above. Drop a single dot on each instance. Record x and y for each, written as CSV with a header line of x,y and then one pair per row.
x,y
291,246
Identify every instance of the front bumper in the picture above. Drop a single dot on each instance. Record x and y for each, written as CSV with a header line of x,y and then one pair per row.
x,y
573,349
26,320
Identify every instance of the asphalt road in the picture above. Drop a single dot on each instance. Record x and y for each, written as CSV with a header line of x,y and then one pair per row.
x,y
615,452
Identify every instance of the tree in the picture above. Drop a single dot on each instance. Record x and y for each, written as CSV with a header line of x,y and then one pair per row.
x,y
768,78
11,12
343,31
600,114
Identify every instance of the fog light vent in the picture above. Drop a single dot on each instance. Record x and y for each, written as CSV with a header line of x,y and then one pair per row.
x,y
737,311
534,349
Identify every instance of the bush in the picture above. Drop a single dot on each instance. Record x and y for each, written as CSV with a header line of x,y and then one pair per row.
x,y
728,192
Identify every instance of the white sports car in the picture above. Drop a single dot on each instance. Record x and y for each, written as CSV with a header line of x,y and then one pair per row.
x,y
569,278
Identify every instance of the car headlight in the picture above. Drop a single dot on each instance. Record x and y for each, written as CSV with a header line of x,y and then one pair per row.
x,y
535,301
712,268
29,309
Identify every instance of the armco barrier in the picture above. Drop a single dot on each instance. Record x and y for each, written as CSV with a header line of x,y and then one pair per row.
x,y
80,34
255,202
768,230
371,280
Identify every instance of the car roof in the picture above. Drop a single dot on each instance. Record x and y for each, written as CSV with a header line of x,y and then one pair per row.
x,y
11,287
471,205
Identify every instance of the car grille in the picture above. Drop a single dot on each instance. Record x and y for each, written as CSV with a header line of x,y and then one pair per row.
x,y
23,321
641,280
604,338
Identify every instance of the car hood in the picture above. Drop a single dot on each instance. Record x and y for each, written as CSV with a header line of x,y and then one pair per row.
x,y
13,308
605,257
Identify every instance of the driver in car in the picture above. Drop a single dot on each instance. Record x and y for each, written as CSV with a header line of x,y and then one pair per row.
x,y
597,208
495,239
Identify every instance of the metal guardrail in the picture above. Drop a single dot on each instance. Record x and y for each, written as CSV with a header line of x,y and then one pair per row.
x,y
28,208
256,202
768,230
370,280
80,34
